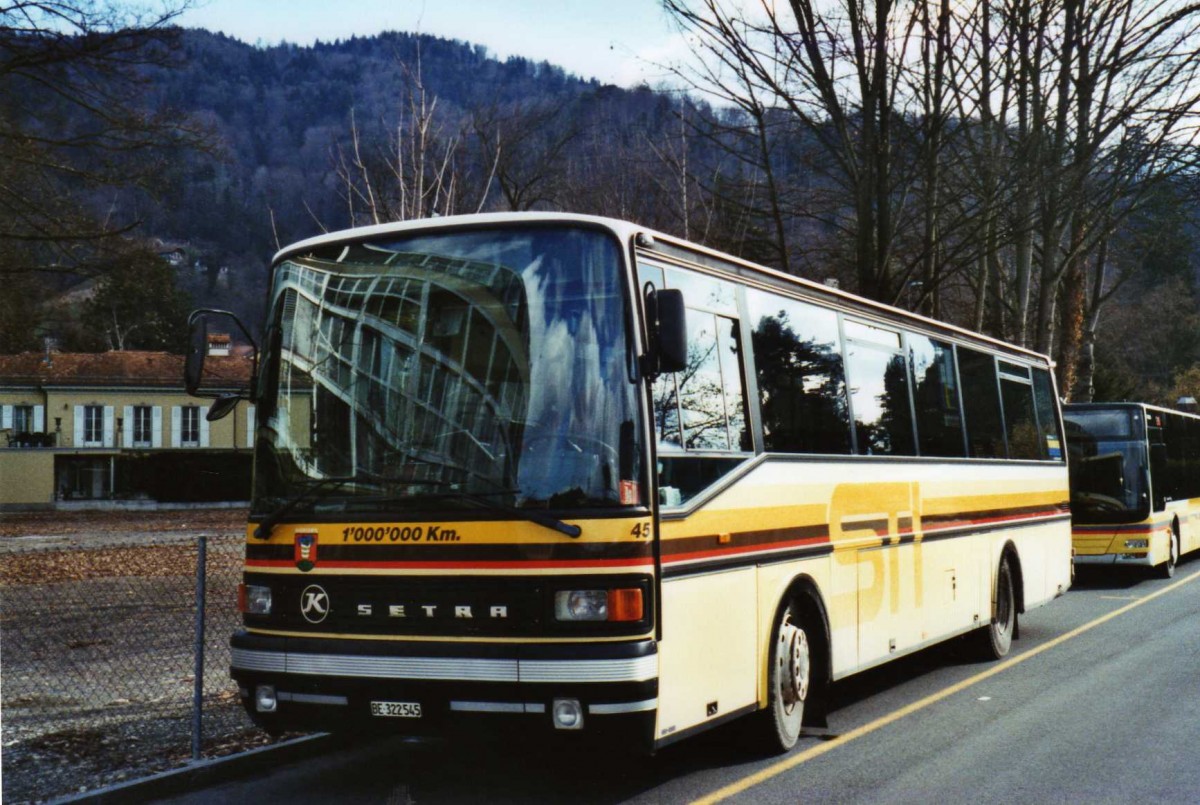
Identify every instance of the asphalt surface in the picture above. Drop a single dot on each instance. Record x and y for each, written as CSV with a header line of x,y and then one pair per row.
x,y
1098,702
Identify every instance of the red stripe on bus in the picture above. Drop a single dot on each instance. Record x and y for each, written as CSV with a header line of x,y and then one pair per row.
x,y
743,549
1117,529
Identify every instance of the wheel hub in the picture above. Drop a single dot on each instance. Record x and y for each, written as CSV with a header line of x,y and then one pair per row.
x,y
794,658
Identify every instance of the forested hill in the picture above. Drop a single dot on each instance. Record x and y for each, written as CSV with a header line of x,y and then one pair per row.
x,y
279,115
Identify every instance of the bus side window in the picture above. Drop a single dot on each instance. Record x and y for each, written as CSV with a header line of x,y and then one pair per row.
x,y
878,379
1043,403
1191,486
700,412
1019,421
981,404
935,391
801,376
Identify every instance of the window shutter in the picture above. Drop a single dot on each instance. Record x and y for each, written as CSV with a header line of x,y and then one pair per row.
x,y
250,426
39,419
176,423
127,430
156,427
109,425
203,426
5,417
78,422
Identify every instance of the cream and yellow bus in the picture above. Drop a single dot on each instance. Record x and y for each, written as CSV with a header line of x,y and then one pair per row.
x,y
564,470
1135,484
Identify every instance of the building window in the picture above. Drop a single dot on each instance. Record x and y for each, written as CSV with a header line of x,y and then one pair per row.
x,y
189,426
142,425
22,421
93,425
83,478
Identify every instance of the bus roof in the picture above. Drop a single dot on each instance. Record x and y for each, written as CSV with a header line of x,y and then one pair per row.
x,y
1097,406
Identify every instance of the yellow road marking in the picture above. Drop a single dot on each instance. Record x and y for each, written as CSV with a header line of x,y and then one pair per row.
x,y
776,769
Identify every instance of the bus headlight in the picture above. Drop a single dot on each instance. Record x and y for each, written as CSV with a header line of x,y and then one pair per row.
x,y
621,604
1137,543
254,599
581,605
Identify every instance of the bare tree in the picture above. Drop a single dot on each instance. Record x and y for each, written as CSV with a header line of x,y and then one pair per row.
x,y
845,75
417,172
527,144
75,129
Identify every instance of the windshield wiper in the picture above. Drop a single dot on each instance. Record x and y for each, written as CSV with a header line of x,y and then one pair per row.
x,y
480,499
271,520
544,520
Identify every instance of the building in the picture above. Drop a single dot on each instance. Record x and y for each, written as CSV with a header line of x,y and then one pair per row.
x,y
95,429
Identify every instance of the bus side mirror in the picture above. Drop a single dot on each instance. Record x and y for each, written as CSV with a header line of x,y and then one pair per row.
x,y
667,328
193,363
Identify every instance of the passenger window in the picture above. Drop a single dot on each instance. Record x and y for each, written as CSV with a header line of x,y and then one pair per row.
x,y
702,409
1020,423
1043,404
703,292
711,399
981,404
801,377
878,377
939,420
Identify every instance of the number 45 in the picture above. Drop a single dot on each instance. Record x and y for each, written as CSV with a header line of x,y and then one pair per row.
x,y
642,531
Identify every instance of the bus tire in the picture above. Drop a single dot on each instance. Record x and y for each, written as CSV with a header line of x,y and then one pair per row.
x,y
1167,569
995,639
789,679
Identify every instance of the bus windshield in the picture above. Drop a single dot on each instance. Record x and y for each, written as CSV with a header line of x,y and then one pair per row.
x,y
449,370
1107,466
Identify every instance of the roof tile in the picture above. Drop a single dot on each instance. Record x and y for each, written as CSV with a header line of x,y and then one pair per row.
x,y
116,368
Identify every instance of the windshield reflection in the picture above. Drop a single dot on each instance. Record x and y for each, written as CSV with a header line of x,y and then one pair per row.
x,y
490,362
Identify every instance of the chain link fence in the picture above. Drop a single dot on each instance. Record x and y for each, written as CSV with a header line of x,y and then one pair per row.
x,y
98,644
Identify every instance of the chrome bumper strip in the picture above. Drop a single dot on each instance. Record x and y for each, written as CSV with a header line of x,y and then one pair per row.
x,y
637,669
622,707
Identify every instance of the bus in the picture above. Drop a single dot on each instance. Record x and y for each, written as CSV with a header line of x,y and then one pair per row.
x,y
1135,484
569,472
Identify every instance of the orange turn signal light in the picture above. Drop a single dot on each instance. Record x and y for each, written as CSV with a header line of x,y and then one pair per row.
x,y
625,604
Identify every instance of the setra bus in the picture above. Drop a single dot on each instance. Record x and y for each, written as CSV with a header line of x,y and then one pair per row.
x,y
565,470
1135,484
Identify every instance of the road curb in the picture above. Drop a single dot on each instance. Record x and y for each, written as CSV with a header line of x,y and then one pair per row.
x,y
205,773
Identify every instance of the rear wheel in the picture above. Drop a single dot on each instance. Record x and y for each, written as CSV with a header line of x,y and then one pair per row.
x,y
996,638
789,680
1167,569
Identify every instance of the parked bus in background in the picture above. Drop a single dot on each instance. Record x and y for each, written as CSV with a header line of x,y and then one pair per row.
x,y
1135,484
567,471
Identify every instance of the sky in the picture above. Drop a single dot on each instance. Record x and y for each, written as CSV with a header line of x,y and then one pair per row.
x,y
614,41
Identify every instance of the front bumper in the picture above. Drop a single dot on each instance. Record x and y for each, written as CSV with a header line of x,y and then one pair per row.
x,y
1136,559
328,684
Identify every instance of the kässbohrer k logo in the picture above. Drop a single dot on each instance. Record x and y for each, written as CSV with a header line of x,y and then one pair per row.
x,y
314,603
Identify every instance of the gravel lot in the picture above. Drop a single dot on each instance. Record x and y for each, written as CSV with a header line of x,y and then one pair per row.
x,y
97,614
100,524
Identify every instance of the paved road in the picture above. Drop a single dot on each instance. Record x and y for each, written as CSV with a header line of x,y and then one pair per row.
x,y
1099,702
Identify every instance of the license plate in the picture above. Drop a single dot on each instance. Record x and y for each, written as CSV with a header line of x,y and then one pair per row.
x,y
396,709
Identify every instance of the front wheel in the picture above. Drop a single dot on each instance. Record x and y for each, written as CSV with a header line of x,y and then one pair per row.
x,y
1167,569
996,638
789,680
